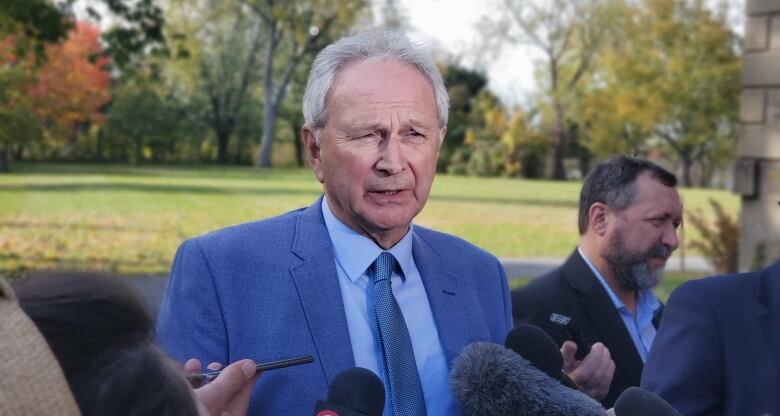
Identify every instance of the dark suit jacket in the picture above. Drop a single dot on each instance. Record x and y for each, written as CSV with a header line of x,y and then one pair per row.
x,y
269,289
718,350
573,290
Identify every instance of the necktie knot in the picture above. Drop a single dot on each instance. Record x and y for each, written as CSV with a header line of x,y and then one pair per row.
x,y
383,266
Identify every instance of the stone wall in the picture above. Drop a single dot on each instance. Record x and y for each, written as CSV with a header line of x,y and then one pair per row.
x,y
757,175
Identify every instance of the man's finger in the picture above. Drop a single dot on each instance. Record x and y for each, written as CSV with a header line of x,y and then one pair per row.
x,y
229,392
192,365
214,366
568,349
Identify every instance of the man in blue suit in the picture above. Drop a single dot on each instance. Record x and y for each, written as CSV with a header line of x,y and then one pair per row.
x,y
718,349
349,280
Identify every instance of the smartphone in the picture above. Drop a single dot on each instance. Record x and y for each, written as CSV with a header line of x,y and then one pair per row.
x,y
573,332
199,380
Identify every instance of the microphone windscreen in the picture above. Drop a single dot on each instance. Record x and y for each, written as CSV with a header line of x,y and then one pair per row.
x,y
487,379
635,401
533,344
359,390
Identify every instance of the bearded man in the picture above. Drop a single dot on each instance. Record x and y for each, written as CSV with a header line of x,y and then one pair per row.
x,y
629,212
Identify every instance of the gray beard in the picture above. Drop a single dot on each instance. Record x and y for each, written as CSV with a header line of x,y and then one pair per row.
x,y
631,269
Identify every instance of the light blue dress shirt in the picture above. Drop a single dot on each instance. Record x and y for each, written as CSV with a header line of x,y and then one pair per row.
x,y
639,326
354,254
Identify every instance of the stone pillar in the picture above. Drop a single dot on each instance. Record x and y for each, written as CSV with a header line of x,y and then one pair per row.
x,y
757,175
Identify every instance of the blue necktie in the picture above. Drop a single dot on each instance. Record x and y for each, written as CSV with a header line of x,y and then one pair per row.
x,y
395,343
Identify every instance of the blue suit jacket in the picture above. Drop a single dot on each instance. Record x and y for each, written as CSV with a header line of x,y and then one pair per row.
x,y
269,289
718,348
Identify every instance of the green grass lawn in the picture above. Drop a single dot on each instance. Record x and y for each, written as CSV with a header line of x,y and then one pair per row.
x,y
130,220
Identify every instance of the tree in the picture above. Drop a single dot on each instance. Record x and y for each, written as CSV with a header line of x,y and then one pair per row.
x,y
72,86
671,76
17,124
33,24
147,121
223,41
294,29
463,86
568,33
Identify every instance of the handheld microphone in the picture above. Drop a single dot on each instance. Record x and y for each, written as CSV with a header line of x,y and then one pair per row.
x,y
354,392
533,344
487,379
635,401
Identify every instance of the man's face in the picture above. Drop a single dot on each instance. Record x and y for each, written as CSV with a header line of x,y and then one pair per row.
x,y
644,235
377,151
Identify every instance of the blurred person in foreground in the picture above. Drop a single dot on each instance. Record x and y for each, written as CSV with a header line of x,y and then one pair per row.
x,y
349,279
103,340
718,349
629,212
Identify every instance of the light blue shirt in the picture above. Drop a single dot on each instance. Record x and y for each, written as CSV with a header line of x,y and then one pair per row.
x,y
639,326
354,254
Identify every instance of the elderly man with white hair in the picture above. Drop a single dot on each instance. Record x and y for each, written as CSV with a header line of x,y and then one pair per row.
x,y
349,280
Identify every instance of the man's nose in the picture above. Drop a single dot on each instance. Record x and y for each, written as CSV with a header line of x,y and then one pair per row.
x,y
669,237
391,159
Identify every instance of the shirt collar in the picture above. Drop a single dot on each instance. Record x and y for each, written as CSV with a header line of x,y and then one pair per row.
x,y
355,253
645,298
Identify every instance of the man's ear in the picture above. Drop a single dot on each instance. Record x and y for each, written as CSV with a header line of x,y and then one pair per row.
x,y
313,154
598,218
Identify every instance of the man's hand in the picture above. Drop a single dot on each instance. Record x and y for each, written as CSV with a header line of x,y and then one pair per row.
x,y
593,374
228,394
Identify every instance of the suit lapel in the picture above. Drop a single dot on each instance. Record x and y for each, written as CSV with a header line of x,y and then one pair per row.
x,y
317,283
441,287
603,317
769,317
657,316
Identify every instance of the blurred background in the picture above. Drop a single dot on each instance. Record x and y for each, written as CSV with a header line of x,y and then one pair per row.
x,y
127,126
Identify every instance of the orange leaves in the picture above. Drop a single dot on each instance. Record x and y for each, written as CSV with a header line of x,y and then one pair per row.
x,y
72,85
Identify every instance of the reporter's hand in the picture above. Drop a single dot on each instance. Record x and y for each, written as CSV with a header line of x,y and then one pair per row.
x,y
594,373
228,394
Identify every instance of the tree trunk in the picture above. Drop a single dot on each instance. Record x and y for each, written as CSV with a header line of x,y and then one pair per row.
x,y
686,169
5,158
298,144
223,135
99,146
559,133
266,143
560,142
138,152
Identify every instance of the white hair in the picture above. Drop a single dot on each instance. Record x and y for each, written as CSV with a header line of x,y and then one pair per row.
x,y
375,43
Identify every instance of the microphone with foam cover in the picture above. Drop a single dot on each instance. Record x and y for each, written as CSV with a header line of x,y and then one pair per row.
x,y
635,401
533,344
354,392
489,380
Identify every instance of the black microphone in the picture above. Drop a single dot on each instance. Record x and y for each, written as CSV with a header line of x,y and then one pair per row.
x,y
533,344
354,392
488,379
635,401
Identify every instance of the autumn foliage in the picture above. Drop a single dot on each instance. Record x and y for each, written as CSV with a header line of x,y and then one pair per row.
x,y
72,85
66,89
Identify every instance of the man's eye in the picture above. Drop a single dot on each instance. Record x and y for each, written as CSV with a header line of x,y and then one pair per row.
x,y
658,221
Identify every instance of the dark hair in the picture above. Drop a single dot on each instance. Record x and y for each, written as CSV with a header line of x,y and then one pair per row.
x,y
103,340
613,183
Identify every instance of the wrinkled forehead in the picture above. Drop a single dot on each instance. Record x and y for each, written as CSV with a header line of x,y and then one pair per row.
x,y
379,69
651,194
